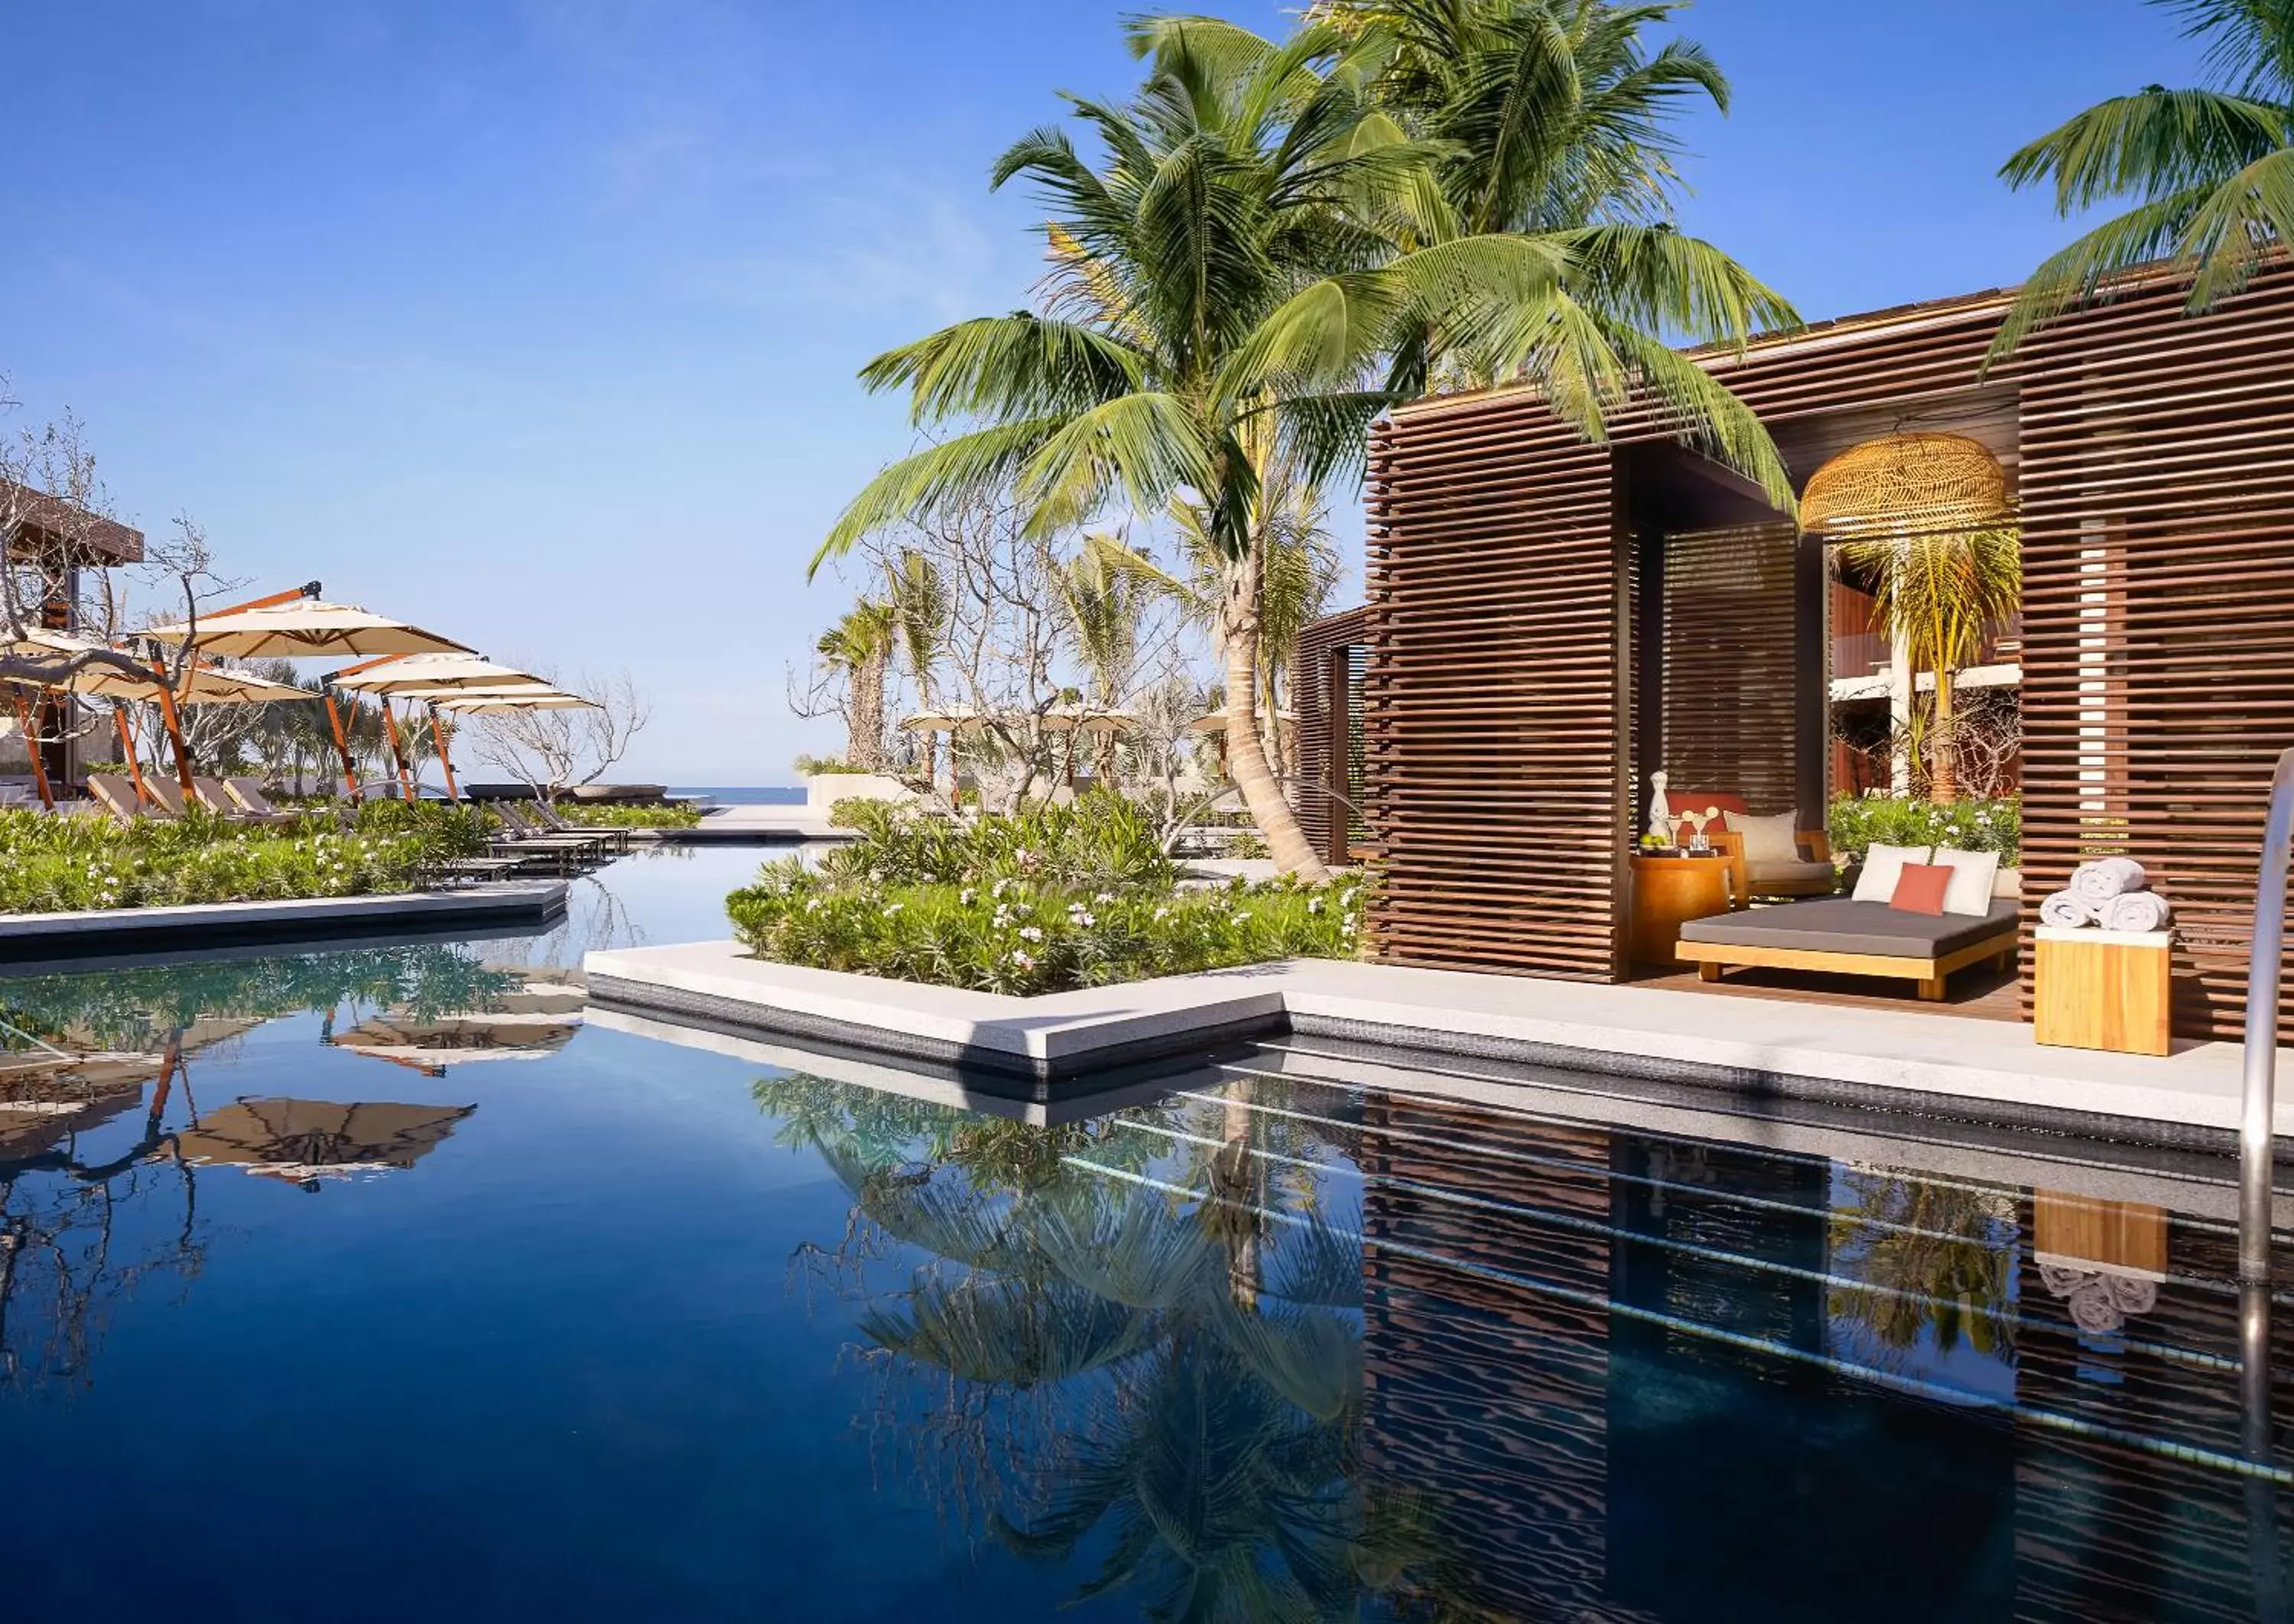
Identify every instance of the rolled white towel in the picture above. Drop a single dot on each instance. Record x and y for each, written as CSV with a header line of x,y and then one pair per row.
x,y
2065,911
2137,911
2099,882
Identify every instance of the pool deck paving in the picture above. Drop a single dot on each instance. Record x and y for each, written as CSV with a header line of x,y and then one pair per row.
x,y
1922,1061
44,937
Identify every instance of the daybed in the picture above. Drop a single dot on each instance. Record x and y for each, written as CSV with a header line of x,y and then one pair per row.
x,y
1845,937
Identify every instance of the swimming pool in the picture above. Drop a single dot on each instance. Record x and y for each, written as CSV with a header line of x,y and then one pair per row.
x,y
384,1284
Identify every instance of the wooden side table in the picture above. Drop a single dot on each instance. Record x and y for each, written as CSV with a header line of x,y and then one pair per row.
x,y
1667,893
2104,989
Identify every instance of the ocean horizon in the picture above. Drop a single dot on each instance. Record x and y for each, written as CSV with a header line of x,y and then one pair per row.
x,y
747,794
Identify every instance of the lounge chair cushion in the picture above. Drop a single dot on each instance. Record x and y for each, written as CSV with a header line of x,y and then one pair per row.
x,y
1973,877
1842,924
1883,865
1768,839
1797,872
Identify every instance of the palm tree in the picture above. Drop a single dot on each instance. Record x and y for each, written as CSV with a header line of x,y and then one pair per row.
x,y
1551,120
1259,239
1939,594
861,644
1103,598
2210,171
917,595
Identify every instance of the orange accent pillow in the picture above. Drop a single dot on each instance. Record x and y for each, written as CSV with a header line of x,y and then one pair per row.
x,y
1920,889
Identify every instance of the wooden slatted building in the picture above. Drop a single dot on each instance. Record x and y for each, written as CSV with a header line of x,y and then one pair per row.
x,y
1549,620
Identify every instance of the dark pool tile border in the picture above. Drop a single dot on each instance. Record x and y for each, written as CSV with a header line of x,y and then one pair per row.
x,y
37,942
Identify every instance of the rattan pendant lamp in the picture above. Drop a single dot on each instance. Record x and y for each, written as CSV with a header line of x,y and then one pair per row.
x,y
1907,484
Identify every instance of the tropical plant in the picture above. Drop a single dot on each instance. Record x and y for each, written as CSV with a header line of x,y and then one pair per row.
x,y
1939,595
2210,171
916,593
1551,120
1259,238
52,865
1043,900
1857,823
860,645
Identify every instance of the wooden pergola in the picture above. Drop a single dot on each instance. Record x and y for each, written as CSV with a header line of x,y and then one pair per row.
x,y
1548,619
61,538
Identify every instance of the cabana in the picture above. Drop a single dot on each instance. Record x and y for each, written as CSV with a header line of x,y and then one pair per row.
x,y
1552,621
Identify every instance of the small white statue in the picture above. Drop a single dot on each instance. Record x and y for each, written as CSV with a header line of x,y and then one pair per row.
x,y
1660,823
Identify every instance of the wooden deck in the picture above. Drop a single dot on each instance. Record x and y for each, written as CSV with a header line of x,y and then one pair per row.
x,y
1978,992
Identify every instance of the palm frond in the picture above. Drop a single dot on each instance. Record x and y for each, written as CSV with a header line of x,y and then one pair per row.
x,y
1020,365
1145,445
944,475
1662,280
2150,145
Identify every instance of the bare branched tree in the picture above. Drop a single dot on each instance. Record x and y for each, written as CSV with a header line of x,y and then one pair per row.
x,y
552,751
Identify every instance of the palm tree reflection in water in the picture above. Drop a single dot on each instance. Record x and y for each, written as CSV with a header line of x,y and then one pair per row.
x,y
1167,1372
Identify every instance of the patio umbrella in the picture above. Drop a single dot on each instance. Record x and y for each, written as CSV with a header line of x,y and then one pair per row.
x,y
305,1141
423,676
300,625
203,684
501,702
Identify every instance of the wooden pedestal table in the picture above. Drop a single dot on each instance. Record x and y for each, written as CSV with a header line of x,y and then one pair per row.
x,y
1667,893
2104,989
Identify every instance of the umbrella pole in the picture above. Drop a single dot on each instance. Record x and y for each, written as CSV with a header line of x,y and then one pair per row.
x,y
445,762
342,745
32,749
397,747
128,750
176,734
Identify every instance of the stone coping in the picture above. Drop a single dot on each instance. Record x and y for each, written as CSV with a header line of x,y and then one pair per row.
x,y
1062,1043
105,931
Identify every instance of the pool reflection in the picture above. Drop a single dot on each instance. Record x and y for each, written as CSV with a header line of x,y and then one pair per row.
x,y
1297,1348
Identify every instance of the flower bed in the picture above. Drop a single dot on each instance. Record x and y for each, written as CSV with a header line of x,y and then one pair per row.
x,y
1858,823
50,864
621,815
1041,901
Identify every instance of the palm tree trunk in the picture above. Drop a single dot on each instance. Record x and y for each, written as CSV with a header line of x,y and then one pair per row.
x,y
1943,779
1246,755
864,750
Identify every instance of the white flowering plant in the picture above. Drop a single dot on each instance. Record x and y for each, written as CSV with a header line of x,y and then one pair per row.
x,y
1054,925
1857,823
50,864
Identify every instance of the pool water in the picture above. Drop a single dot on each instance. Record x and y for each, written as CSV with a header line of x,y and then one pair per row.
x,y
392,1284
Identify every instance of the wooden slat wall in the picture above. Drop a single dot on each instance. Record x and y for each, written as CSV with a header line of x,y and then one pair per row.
x,y
2158,487
1730,659
2156,464
1495,722
1320,792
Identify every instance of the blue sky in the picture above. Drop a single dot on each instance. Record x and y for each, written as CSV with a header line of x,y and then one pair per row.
x,y
536,320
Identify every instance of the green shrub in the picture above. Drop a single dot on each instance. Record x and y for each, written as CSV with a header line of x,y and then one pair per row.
x,y
1043,900
59,864
624,815
1858,823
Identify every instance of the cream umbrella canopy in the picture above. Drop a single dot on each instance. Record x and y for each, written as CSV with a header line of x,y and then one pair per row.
x,y
301,625
201,685
503,702
428,677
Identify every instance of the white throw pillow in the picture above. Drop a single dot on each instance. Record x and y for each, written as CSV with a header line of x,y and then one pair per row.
x,y
1974,874
1768,839
1884,865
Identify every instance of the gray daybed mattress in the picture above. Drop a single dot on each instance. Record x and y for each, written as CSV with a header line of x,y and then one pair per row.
x,y
1842,924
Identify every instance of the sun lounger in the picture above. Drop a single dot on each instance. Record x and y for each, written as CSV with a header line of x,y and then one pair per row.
x,y
217,798
117,796
249,796
1844,937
